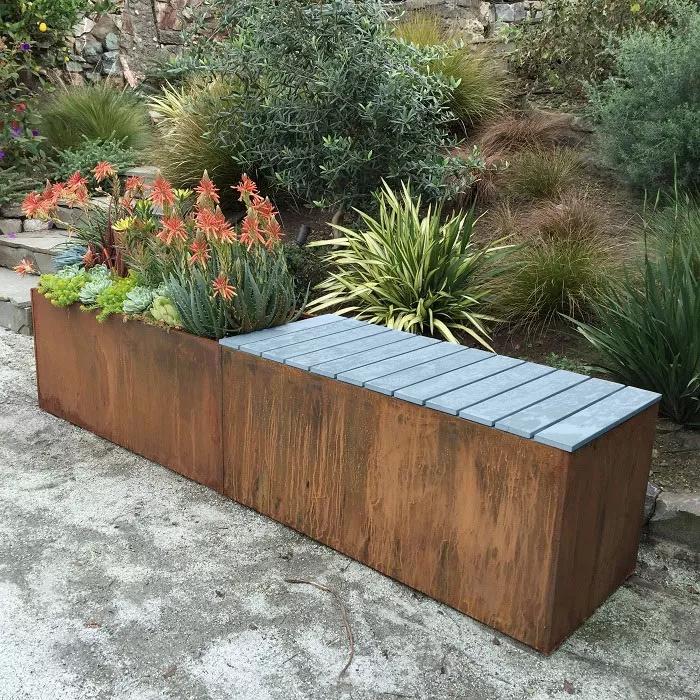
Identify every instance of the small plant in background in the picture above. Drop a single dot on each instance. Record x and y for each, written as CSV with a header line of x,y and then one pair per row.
x,y
95,112
566,363
564,262
188,142
541,174
576,40
307,267
479,87
411,272
649,335
649,116
88,154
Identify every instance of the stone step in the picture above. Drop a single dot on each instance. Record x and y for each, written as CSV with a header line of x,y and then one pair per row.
x,y
38,246
148,173
15,301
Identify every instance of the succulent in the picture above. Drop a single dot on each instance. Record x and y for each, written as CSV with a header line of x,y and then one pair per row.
x,y
69,271
62,290
69,257
88,294
164,311
138,300
111,299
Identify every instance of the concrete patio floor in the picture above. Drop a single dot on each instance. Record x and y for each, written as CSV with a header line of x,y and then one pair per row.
x,y
121,580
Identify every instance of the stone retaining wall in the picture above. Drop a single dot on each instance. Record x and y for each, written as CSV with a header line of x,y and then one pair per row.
x,y
122,45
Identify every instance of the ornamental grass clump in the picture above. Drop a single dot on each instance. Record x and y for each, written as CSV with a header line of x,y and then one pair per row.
x,y
478,85
541,174
411,271
648,331
95,112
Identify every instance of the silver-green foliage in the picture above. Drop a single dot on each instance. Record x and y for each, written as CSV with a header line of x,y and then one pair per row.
x,y
138,300
649,117
411,271
329,102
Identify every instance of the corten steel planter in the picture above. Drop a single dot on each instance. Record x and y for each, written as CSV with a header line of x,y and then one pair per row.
x,y
526,537
153,391
522,536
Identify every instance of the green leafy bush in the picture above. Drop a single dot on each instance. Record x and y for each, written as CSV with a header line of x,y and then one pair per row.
x,y
649,118
14,184
478,85
649,335
410,272
88,154
576,40
188,142
541,174
306,266
332,102
95,112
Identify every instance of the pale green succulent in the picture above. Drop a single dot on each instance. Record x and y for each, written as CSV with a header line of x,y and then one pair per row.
x,y
99,272
88,294
163,310
138,300
69,271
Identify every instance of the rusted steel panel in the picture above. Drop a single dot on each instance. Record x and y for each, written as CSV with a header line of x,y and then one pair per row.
x,y
474,517
155,392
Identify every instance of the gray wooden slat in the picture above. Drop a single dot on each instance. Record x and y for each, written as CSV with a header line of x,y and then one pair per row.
x,y
394,364
235,341
335,367
493,409
261,346
427,370
583,426
337,352
455,401
326,341
423,391
543,414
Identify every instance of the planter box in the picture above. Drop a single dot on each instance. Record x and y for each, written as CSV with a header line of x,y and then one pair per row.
x,y
153,391
527,537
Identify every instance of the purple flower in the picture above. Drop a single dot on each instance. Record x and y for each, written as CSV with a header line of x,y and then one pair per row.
x,y
11,234
16,131
2,154
35,132
25,46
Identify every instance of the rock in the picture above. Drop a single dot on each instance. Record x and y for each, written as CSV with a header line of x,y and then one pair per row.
x,y
12,211
10,226
85,26
92,50
677,517
510,12
105,24
111,42
110,63
74,67
35,225
653,493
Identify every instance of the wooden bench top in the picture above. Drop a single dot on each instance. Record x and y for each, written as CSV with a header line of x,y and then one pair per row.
x,y
555,407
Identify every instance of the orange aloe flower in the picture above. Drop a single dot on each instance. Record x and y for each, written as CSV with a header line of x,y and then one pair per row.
x,y
264,208
103,170
25,267
273,231
134,185
250,231
173,229
223,288
214,226
207,191
200,252
162,192
76,180
246,187
31,204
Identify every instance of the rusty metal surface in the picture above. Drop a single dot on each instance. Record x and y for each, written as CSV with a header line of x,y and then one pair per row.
x,y
469,515
155,392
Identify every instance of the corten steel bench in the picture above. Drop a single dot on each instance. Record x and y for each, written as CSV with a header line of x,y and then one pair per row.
x,y
510,490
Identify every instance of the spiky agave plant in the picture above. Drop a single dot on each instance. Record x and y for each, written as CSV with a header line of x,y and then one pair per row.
x,y
410,271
